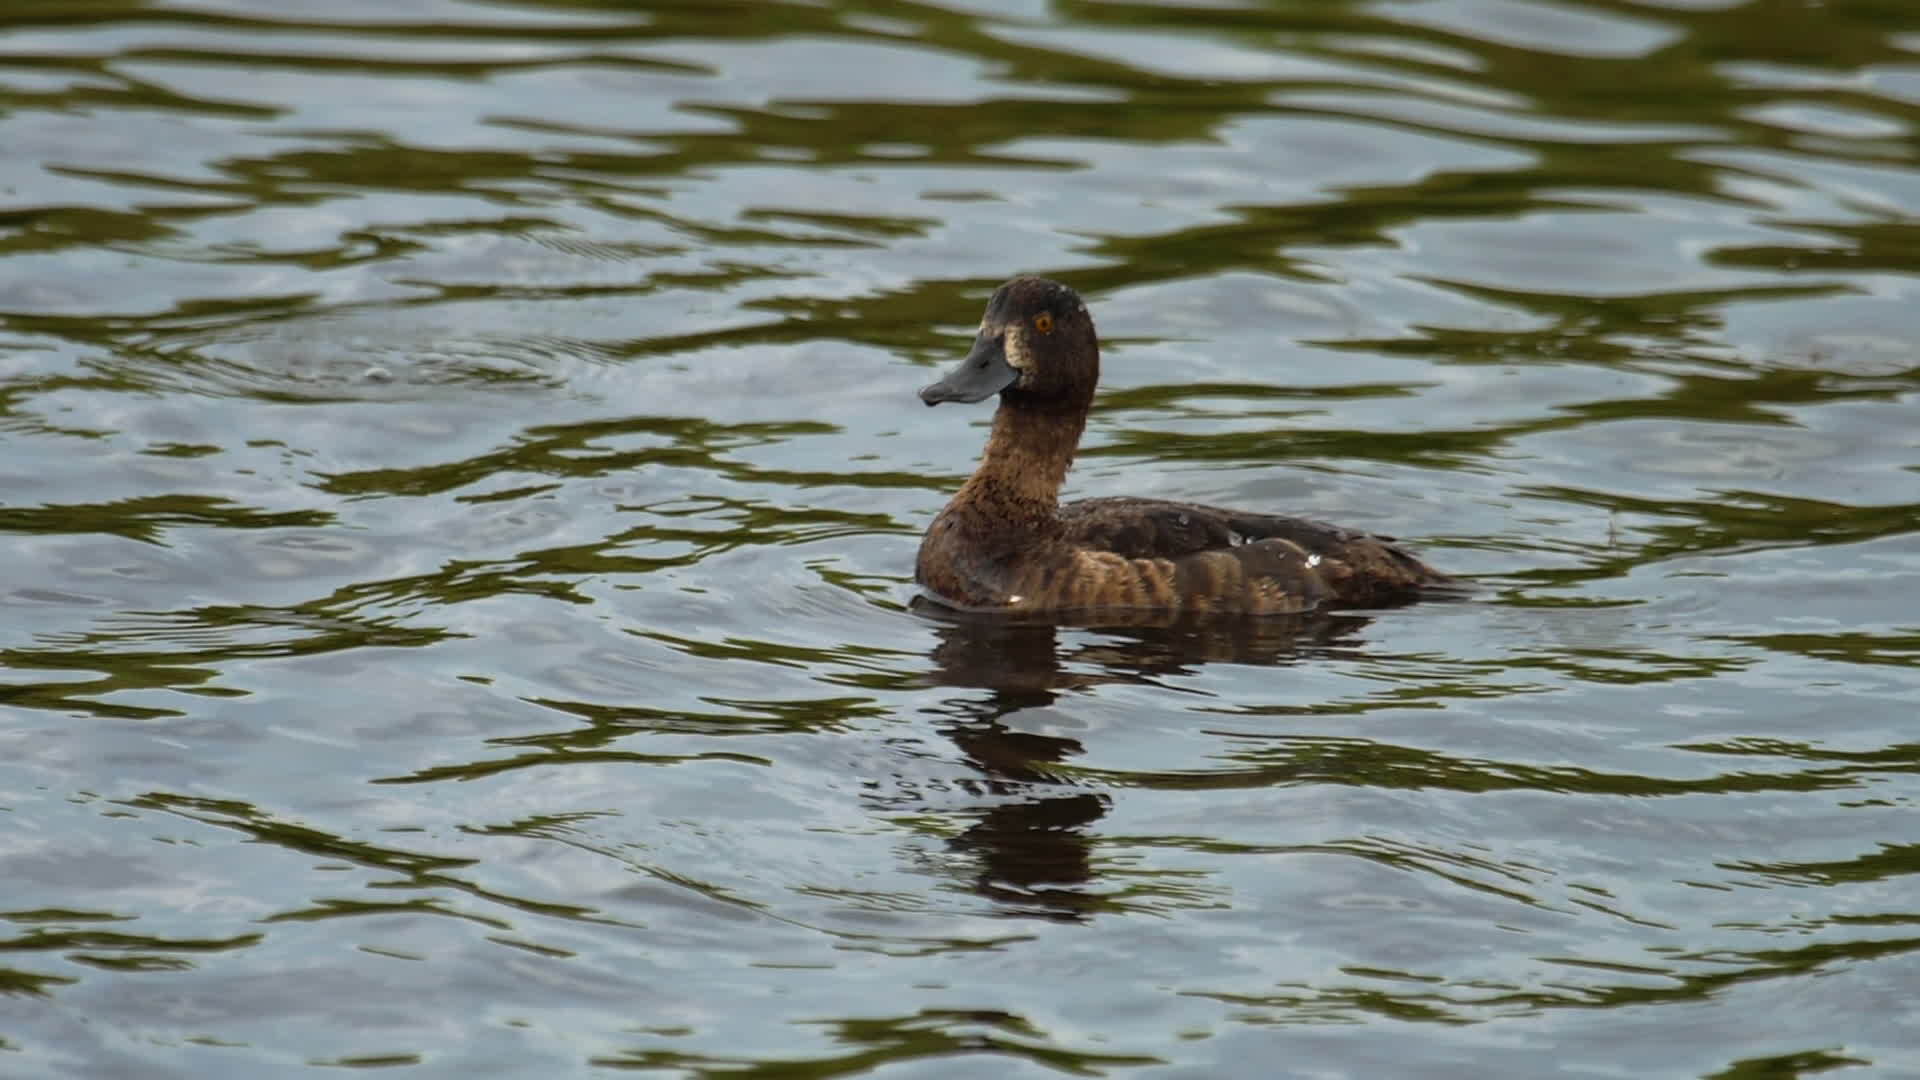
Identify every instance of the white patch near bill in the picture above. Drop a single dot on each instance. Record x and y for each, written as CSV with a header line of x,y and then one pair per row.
x,y
1016,351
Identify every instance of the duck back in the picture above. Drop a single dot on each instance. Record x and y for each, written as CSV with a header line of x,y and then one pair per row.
x,y
1355,569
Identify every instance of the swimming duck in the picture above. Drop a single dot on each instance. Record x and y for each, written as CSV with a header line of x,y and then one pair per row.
x,y
1006,544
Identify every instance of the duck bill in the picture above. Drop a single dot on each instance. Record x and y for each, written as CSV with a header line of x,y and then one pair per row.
x,y
984,373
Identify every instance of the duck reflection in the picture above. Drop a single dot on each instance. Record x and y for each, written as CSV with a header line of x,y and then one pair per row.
x,y
1030,840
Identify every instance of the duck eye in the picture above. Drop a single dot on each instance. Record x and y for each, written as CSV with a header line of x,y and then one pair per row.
x,y
1043,322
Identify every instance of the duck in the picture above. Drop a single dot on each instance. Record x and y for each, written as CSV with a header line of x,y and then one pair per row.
x,y
1006,544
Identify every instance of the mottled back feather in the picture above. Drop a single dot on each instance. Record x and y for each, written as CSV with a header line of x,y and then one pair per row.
x,y
1358,569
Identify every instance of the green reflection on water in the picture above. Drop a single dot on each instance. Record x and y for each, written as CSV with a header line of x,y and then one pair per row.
x,y
148,517
928,1035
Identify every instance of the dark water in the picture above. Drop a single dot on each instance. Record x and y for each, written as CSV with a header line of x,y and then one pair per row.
x,y
462,473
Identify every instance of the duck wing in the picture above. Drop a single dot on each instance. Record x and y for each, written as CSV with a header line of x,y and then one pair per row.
x,y
1357,568
1149,528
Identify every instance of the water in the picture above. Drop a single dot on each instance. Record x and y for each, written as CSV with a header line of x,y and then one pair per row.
x,y
462,475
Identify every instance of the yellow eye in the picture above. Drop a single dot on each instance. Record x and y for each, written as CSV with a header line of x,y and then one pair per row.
x,y
1043,322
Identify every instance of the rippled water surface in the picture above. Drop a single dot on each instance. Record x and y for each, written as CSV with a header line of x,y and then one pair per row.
x,y
462,474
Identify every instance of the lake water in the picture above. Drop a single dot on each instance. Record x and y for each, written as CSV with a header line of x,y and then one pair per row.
x,y
462,474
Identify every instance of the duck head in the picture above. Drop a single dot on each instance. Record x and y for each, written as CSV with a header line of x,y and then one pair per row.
x,y
1036,349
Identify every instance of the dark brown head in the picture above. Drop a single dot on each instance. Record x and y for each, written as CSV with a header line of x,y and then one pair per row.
x,y
1036,349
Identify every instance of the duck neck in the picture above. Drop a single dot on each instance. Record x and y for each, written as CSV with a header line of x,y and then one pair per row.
x,y
1018,482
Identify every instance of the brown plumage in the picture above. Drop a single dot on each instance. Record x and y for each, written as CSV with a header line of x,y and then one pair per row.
x,y
1004,543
